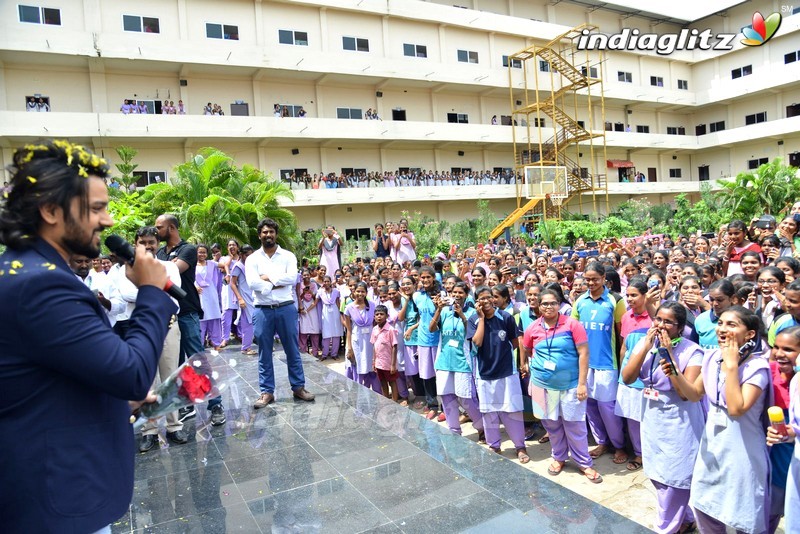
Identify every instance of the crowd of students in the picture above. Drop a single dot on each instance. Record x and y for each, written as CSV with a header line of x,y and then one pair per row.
x,y
399,178
670,351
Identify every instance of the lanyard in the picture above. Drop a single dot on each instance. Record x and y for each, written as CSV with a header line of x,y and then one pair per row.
x,y
548,341
719,374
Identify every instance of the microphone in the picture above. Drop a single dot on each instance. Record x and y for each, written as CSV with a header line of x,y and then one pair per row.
x,y
124,250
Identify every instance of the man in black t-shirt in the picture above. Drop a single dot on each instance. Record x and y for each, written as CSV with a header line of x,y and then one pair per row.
x,y
184,255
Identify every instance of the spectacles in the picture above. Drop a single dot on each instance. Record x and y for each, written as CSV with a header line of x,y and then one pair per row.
x,y
771,281
548,304
665,322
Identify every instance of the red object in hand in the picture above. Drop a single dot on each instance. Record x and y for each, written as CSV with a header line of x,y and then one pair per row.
x,y
193,386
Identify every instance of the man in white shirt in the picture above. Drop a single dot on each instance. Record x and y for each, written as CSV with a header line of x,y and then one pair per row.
x,y
271,273
148,237
100,285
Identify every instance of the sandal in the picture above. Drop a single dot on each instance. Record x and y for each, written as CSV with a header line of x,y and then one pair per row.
x,y
635,465
431,414
403,402
594,477
250,352
598,451
496,449
555,468
481,437
522,456
545,439
620,457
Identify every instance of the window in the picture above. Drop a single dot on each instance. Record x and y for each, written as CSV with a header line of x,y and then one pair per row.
x,y
538,122
145,178
642,128
357,233
656,81
40,15
623,76
352,171
461,118
582,124
135,23
37,103
222,31
355,44
791,57
756,163
544,66
292,37
294,111
676,130
591,73
674,173
515,63
465,56
755,118
716,126
742,71
349,113
415,50
619,127
683,84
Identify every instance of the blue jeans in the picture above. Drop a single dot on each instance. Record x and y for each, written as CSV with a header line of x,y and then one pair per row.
x,y
191,343
283,321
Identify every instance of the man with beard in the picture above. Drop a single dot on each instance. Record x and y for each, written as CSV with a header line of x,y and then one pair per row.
x,y
65,376
82,267
271,273
184,255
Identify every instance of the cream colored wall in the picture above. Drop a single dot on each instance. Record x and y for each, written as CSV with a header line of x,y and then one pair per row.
x,y
280,16
236,12
529,9
362,97
708,114
222,91
457,103
756,104
352,24
505,45
146,86
416,103
68,89
423,159
413,32
166,13
351,158
462,39
618,61
285,93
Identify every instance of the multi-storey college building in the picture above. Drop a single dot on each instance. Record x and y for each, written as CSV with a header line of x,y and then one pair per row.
x,y
436,74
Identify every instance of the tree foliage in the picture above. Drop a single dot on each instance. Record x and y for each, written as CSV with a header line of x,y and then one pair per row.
x,y
769,189
215,201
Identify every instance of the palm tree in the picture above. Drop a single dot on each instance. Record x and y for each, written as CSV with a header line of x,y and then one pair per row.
x,y
217,201
770,189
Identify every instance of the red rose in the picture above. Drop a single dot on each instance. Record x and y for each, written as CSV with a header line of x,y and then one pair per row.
x,y
193,386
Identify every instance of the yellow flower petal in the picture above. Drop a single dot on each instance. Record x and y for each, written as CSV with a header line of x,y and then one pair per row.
x,y
31,179
12,271
16,264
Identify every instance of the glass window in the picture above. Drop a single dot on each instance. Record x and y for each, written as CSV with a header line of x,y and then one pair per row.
x,y
131,23
286,37
349,43
29,14
52,16
214,31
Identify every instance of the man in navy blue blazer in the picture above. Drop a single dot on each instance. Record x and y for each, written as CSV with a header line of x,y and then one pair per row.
x,y
66,444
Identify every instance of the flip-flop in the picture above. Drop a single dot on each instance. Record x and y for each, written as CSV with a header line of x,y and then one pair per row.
x,y
522,456
602,448
594,478
544,439
619,460
554,472
633,465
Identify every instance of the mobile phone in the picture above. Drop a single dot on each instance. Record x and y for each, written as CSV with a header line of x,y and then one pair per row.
x,y
591,244
583,253
557,259
448,300
653,283
470,260
709,235
756,290
564,250
514,270
663,354
593,253
796,218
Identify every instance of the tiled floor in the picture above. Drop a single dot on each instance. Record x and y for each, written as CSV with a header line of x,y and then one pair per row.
x,y
351,461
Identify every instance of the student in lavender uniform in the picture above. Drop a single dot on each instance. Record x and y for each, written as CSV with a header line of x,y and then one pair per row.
x,y
730,482
557,357
495,335
331,319
671,425
207,279
244,297
792,503
359,317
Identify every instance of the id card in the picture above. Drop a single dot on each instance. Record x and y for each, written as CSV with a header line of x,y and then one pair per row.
x,y
719,419
651,394
550,365
453,343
